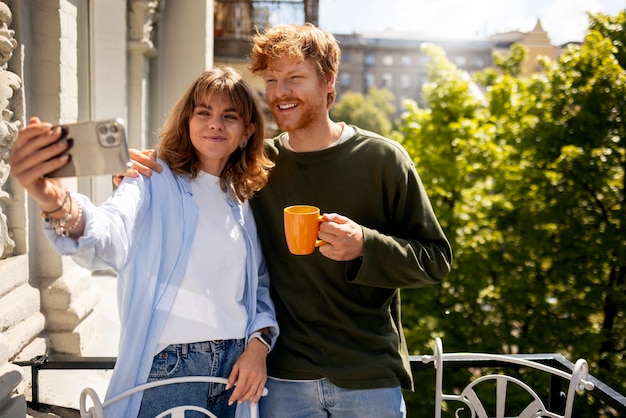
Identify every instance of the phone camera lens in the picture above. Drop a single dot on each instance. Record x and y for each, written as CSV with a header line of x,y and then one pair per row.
x,y
103,129
110,140
113,129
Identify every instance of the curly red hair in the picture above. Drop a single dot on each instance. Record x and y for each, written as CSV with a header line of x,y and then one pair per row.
x,y
300,42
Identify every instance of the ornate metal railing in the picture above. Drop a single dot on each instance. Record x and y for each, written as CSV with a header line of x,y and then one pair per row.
x,y
607,395
601,391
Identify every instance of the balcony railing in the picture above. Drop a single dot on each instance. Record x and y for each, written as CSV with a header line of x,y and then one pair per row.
x,y
601,391
605,394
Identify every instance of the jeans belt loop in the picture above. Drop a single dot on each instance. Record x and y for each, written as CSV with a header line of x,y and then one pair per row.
x,y
184,348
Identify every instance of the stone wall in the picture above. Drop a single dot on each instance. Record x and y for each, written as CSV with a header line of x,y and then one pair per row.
x,y
68,60
24,317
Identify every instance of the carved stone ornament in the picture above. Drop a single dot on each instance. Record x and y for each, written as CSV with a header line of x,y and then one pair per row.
x,y
9,83
143,14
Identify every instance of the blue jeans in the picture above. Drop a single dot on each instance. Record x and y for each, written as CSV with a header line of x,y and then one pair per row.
x,y
320,398
210,358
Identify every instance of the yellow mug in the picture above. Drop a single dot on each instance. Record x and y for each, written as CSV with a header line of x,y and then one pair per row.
x,y
301,228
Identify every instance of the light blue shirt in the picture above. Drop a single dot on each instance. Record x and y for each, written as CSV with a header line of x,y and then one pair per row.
x,y
144,233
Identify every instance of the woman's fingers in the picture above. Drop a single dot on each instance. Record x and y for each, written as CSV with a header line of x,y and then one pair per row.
x,y
37,143
37,172
254,393
145,161
30,132
249,387
38,151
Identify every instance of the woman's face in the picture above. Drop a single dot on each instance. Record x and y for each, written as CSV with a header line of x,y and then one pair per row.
x,y
216,130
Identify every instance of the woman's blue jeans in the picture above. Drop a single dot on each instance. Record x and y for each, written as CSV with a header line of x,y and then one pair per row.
x,y
210,358
322,399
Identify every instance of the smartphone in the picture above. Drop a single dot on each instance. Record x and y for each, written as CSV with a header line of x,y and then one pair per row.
x,y
98,147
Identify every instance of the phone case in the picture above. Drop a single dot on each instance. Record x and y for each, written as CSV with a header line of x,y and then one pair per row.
x,y
99,148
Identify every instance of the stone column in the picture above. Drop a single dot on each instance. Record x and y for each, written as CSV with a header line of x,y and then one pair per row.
x,y
19,323
183,54
142,16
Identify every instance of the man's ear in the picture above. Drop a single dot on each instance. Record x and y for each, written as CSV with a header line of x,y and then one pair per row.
x,y
330,83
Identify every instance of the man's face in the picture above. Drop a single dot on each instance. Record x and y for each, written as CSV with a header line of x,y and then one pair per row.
x,y
295,94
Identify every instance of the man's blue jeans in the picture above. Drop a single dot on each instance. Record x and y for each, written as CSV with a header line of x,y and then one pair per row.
x,y
321,399
210,358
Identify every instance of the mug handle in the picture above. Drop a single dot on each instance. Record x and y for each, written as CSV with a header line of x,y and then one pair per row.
x,y
319,242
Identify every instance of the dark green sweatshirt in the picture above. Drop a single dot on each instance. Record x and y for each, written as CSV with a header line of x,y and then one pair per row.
x,y
341,320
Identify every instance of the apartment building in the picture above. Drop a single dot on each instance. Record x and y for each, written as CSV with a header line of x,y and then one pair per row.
x,y
395,61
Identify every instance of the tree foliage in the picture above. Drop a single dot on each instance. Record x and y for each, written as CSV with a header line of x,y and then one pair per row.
x,y
373,112
528,182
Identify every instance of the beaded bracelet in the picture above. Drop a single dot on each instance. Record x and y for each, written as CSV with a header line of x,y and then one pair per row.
x,y
46,215
60,226
78,217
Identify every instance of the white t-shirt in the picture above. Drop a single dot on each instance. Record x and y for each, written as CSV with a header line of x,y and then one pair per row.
x,y
209,304
346,132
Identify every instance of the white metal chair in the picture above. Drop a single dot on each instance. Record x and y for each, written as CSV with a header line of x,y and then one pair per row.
x,y
97,409
469,398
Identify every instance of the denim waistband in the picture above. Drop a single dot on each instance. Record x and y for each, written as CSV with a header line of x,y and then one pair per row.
x,y
184,348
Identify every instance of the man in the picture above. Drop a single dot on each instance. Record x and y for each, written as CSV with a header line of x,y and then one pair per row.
x,y
341,351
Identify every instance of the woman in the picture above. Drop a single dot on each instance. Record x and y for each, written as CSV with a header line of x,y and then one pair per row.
x,y
193,289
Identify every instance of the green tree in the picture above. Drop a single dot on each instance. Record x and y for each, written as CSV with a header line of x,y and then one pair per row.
x,y
578,152
373,112
529,185
510,63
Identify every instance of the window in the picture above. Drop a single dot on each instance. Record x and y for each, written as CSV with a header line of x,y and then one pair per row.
x,y
387,80
460,61
370,59
406,60
345,56
388,60
369,80
344,79
405,81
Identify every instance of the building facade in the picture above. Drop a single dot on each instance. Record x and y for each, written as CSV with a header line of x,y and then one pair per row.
x,y
537,42
395,61
65,61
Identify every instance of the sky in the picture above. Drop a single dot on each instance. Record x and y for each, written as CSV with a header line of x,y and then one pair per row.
x,y
563,20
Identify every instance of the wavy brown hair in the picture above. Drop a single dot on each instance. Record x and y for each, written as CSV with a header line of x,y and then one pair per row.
x,y
300,42
247,169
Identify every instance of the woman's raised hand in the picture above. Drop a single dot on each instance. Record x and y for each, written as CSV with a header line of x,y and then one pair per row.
x,y
143,162
40,149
